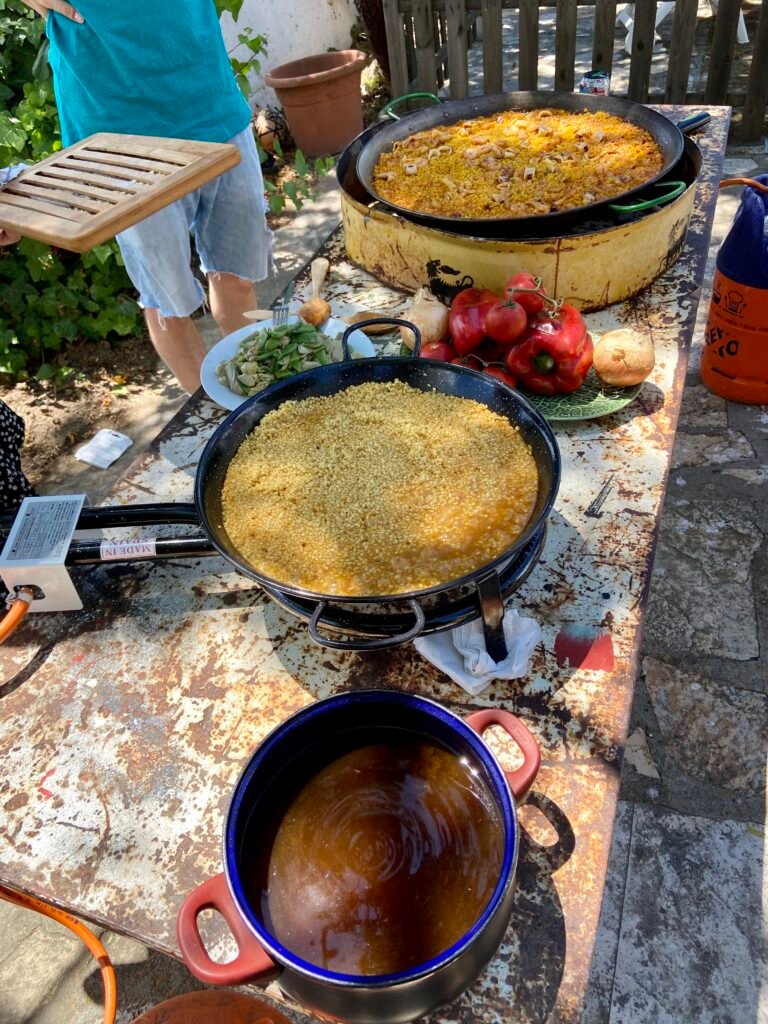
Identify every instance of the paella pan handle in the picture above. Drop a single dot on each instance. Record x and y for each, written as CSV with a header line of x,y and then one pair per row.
x,y
389,109
492,610
381,320
379,644
686,126
697,120
676,189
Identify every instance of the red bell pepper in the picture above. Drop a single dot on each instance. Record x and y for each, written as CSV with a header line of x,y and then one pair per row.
x,y
554,355
466,318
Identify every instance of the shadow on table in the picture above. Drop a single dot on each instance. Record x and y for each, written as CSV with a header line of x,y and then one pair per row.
x,y
648,402
522,981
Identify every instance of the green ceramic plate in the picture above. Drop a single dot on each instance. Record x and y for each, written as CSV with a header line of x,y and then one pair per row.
x,y
591,401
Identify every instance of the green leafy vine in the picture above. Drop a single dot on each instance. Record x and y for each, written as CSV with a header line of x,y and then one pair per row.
x,y
50,298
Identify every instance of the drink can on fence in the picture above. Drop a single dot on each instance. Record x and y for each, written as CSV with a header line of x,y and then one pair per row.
x,y
595,83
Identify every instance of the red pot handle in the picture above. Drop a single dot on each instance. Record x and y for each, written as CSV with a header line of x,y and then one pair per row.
x,y
521,779
251,962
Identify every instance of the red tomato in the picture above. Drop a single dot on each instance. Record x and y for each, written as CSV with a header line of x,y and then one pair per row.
x,y
471,297
501,374
505,321
532,304
471,360
439,350
491,351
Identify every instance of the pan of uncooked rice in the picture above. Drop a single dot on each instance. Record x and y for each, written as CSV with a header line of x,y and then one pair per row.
x,y
378,490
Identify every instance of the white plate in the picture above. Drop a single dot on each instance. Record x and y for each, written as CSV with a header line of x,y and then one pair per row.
x,y
227,348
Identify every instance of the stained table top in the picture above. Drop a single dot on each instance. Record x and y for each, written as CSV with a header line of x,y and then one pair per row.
x,y
124,727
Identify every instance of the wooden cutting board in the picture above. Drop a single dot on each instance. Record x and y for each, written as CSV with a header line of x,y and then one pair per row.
x,y
87,193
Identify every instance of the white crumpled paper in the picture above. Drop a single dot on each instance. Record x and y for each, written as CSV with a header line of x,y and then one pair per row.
x,y
104,448
461,653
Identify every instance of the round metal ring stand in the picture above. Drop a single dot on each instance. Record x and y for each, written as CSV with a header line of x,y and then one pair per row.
x,y
344,619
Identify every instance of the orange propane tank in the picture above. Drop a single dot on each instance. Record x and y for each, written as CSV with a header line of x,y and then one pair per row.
x,y
734,363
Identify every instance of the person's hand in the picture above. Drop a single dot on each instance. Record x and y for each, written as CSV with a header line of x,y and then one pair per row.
x,y
8,237
42,7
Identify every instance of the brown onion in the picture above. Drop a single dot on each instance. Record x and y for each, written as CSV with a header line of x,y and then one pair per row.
x,y
623,357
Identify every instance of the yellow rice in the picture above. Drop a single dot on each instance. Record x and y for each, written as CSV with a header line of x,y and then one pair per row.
x,y
379,489
517,164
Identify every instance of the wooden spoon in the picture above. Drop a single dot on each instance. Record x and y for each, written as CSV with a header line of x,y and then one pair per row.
x,y
316,310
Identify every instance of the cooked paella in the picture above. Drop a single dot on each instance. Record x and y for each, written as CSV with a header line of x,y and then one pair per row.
x,y
517,163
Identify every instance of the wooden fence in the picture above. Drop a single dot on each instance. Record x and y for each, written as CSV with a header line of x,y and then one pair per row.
x,y
428,40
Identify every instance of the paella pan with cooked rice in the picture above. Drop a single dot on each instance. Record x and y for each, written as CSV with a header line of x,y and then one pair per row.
x,y
667,136
517,163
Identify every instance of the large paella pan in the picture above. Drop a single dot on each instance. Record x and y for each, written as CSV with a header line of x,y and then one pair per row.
x,y
666,138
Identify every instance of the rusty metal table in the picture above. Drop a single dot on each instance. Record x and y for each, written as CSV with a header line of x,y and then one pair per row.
x,y
124,727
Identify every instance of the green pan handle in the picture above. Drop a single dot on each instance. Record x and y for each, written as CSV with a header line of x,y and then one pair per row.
x,y
698,120
389,110
676,189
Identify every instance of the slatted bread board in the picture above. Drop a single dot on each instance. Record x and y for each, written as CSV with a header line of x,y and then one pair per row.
x,y
87,193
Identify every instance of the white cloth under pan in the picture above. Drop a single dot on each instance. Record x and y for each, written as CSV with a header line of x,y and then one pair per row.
x,y
461,653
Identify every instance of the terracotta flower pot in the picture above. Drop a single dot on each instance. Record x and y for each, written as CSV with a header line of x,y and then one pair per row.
x,y
204,1007
321,99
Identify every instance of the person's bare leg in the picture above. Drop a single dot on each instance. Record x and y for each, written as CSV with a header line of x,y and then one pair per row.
x,y
178,343
230,297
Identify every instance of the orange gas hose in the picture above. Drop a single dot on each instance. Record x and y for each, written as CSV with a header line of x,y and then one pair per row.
x,y
17,609
727,182
83,933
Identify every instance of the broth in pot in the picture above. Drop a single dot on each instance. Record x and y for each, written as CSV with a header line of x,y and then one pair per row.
x,y
383,859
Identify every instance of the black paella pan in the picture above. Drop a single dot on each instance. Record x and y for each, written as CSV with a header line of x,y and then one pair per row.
x,y
424,374
668,136
569,222
486,585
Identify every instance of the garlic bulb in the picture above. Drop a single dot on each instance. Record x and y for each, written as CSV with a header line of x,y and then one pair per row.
x,y
623,357
316,310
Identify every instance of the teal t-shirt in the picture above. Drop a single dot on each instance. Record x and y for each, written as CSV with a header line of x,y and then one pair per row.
x,y
144,67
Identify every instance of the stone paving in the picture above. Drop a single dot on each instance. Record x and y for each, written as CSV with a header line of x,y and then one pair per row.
x,y
682,928
681,936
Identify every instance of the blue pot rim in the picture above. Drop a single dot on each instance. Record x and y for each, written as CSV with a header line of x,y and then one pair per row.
x,y
504,798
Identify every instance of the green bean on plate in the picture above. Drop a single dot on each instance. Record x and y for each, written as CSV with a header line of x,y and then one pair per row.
x,y
272,353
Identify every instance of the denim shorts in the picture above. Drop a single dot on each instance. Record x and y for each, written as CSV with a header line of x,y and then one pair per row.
x,y
226,217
